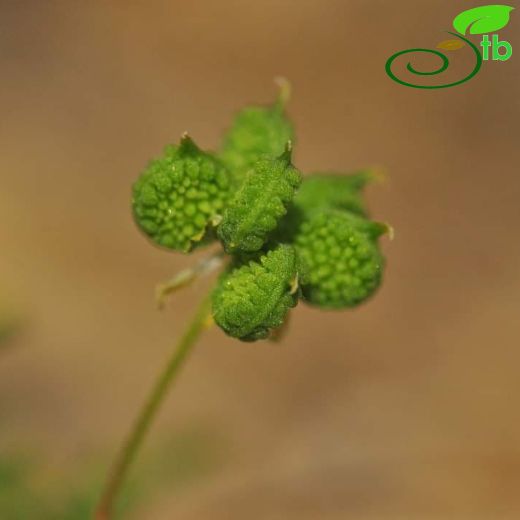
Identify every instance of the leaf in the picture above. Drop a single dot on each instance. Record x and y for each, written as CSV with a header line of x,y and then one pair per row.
x,y
451,45
484,19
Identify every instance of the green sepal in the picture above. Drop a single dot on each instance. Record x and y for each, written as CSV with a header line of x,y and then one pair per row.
x,y
334,191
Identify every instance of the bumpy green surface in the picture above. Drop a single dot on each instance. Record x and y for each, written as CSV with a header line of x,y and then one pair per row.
x,y
259,204
254,298
334,191
256,132
179,195
340,259
286,239
320,191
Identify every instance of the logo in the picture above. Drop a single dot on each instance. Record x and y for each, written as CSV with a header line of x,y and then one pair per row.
x,y
480,20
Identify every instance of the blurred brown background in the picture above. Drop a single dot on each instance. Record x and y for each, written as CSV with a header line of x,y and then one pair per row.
x,y
405,408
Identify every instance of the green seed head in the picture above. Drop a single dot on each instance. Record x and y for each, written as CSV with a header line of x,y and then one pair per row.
x,y
254,298
259,204
339,257
179,195
256,132
286,239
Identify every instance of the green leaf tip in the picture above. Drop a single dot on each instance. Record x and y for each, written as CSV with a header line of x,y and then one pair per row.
x,y
284,92
483,19
386,229
187,145
286,155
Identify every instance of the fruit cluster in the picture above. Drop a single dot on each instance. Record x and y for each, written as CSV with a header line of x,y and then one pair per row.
x,y
290,237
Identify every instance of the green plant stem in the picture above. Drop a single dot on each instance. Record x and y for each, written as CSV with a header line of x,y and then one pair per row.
x,y
146,415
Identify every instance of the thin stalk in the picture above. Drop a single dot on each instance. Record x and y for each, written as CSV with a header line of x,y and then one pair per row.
x,y
148,411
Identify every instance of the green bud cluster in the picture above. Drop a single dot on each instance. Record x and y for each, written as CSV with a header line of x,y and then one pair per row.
x,y
288,239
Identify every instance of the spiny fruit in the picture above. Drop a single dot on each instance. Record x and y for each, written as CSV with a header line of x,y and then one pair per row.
x,y
340,260
253,299
180,195
256,132
259,204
